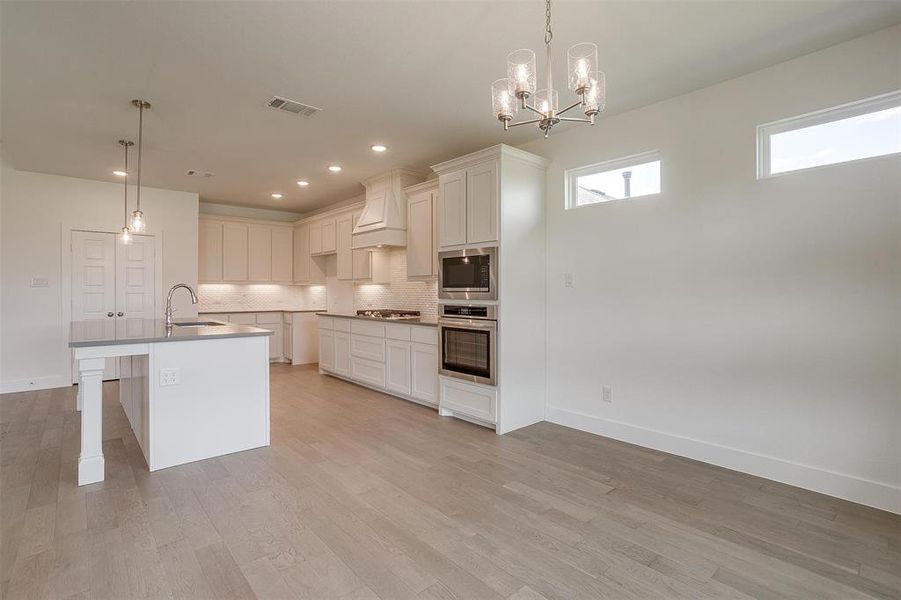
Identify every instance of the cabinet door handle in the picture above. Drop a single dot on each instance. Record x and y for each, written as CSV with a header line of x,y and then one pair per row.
x,y
109,314
120,314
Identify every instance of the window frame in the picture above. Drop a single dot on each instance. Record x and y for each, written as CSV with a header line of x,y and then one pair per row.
x,y
820,117
571,176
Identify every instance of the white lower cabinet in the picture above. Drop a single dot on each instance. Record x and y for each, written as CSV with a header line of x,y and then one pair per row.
x,y
289,342
326,350
459,398
342,353
397,366
424,372
400,359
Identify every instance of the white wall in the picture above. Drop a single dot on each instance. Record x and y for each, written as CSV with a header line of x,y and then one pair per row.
x,y
35,207
751,324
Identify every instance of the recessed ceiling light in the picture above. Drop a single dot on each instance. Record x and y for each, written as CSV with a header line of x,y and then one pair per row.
x,y
378,147
303,183
120,173
277,196
334,168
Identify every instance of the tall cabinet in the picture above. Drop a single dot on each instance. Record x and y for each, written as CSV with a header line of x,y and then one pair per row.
x,y
496,197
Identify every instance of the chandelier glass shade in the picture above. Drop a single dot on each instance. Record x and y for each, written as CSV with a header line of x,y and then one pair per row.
x,y
513,93
138,224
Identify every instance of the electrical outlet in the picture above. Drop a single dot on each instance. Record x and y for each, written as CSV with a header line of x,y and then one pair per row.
x,y
40,282
569,280
170,377
607,393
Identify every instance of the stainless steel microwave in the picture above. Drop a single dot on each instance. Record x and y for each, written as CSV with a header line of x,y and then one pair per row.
x,y
469,274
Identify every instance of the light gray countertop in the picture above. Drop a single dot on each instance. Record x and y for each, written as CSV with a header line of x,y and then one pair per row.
x,y
424,321
108,332
249,310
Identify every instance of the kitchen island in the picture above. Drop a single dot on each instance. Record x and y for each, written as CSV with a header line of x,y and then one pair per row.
x,y
191,390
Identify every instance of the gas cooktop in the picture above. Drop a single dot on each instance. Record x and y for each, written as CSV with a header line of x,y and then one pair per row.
x,y
386,313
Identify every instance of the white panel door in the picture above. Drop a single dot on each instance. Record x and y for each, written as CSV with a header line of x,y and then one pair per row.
x,y
94,283
452,209
397,366
136,279
481,203
419,235
259,253
282,254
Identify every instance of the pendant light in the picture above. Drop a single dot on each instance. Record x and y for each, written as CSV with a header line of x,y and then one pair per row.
x,y
125,236
137,217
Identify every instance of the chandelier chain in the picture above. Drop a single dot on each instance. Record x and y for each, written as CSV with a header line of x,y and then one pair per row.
x,y
548,34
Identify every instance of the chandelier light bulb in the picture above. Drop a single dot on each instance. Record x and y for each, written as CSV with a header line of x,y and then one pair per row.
x,y
125,236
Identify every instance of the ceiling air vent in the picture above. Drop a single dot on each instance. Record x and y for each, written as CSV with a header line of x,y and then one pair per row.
x,y
292,106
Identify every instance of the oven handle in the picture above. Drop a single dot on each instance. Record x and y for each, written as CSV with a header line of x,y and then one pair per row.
x,y
481,324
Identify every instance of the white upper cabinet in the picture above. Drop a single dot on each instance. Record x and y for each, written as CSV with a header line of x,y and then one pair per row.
x,y
329,236
345,225
302,254
244,251
481,203
259,253
234,252
452,209
209,252
282,254
421,220
316,238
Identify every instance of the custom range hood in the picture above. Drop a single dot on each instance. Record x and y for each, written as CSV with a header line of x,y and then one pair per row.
x,y
383,221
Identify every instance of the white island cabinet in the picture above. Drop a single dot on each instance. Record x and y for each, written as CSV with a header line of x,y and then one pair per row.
x,y
398,358
190,392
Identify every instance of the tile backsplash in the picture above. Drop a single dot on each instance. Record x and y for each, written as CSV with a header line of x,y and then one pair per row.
x,y
259,297
335,295
401,293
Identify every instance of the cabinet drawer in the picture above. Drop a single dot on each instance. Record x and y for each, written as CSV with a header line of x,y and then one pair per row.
x,y
341,324
425,335
368,328
368,347
367,371
467,399
244,318
397,332
269,318
326,323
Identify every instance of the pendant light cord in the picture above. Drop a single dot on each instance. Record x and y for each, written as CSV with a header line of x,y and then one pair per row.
x,y
126,183
548,36
140,147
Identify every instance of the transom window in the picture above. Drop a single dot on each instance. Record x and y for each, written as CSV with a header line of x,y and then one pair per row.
x,y
619,179
864,129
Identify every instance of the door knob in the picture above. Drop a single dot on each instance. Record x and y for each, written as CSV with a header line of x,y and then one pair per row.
x,y
119,314
109,314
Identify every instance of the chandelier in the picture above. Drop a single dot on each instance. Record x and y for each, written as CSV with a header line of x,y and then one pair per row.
x,y
511,93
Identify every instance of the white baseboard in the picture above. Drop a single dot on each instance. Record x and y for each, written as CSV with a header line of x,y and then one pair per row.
x,y
863,491
34,383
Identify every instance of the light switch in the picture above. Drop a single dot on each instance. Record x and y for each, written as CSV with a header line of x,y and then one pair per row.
x,y
569,280
40,282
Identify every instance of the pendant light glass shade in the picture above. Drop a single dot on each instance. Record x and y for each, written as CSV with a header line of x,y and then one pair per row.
x,y
546,102
125,236
582,60
137,222
595,99
521,73
504,102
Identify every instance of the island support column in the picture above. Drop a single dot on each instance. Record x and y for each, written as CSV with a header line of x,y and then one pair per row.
x,y
90,391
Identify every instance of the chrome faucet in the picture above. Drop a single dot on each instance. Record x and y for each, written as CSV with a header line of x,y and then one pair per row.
x,y
169,300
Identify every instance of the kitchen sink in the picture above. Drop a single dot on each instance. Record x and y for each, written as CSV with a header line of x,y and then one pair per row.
x,y
199,324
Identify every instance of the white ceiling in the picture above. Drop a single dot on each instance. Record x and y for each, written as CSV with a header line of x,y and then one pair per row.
x,y
413,75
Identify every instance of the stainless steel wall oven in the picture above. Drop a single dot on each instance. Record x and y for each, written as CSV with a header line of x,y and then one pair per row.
x,y
468,336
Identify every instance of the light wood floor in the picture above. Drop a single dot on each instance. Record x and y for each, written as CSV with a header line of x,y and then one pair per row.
x,y
366,496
